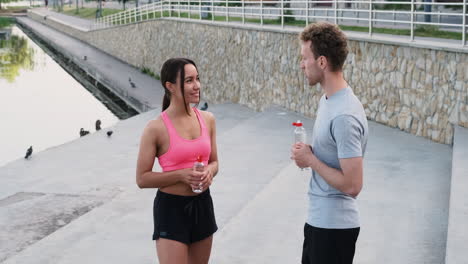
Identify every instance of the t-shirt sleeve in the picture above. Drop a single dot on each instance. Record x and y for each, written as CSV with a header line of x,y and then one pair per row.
x,y
348,133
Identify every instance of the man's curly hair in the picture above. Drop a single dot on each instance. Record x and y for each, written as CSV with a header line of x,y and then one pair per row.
x,y
327,40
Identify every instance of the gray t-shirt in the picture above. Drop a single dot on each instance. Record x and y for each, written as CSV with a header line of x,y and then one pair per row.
x,y
340,131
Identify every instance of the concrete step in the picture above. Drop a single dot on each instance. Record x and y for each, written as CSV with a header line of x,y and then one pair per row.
x,y
457,235
251,154
404,202
269,229
259,199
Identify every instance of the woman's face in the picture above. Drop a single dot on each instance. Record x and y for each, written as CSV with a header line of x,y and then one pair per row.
x,y
191,85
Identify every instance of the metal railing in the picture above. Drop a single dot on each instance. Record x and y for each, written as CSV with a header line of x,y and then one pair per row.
x,y
362,15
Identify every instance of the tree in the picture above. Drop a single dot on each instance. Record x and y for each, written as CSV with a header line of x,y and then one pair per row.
x,y
15,54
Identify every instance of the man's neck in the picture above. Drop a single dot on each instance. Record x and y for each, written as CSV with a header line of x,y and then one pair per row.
x,y
332,83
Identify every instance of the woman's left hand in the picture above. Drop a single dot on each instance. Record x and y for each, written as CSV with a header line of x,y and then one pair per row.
x,y
207,178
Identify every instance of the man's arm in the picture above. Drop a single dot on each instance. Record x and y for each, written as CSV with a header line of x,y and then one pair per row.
x,y
348,135
347,180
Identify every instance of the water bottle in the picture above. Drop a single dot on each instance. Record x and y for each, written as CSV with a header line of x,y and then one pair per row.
x,y
300,135
198,166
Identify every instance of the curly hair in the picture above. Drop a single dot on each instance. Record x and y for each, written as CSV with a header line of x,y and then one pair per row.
x,y
327,40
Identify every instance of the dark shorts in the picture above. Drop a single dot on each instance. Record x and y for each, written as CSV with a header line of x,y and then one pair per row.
x,y
186,219
329,246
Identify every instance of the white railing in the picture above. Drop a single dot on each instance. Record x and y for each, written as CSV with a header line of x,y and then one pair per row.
x,y
364,15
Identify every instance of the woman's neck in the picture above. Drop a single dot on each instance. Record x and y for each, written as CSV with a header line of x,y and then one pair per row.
x,y
175,109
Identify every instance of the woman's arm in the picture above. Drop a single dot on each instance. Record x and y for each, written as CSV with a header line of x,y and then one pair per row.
x,y
212,167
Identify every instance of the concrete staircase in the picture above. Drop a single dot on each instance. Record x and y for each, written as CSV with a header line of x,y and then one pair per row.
x,y
259,195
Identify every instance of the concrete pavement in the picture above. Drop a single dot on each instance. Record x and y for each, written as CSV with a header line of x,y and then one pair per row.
x,y
260,198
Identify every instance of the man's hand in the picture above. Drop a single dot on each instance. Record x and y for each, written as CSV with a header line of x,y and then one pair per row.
x,y
302,154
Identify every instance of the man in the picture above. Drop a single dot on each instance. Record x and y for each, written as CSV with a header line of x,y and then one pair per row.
x,y
336,155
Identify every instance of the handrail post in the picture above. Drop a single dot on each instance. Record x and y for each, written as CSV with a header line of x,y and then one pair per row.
x,y
261,12
282,13
243,12
335,11
412,21
464,24
370,17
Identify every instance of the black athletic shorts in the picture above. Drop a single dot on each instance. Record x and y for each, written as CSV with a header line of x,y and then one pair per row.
x,y
329,246
186,219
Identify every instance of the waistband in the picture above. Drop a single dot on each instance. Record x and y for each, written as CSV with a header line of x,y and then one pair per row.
x,y
193,205
182,197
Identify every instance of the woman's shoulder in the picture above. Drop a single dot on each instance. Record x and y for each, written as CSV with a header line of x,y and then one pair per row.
x,y
208,116
155,125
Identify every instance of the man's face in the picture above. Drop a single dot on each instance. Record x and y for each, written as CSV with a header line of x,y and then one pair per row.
x,y
310,65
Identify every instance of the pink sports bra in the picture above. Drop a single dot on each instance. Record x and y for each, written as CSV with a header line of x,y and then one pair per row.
x,y
183,153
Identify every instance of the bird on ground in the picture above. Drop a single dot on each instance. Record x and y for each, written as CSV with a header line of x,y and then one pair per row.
x,y
29,152
98,125
204,107
109,133
83,132
132,84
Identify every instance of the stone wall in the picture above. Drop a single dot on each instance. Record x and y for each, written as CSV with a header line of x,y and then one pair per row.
x,y
423,91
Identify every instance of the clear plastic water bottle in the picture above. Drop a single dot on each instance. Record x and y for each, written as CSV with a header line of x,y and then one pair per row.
x,y
300,135
198,166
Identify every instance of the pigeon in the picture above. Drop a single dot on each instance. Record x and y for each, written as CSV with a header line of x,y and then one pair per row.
x,y
109,133
204,107
29,152
98,125
132,84
83,132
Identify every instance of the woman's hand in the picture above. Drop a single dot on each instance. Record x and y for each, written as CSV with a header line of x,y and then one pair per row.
x,y
207,178
191,177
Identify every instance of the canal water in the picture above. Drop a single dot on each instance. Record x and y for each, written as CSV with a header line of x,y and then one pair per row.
x,y
41,105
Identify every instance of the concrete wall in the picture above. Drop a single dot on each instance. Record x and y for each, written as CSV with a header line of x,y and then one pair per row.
x,y
423,91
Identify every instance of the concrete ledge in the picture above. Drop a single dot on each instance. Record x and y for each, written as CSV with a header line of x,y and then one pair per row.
x,y
56,24
457,235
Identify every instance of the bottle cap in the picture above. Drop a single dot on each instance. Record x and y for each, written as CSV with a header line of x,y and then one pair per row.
x,y
297,124
199,158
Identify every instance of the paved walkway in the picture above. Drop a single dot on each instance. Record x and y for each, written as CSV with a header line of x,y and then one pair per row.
x,y
78,203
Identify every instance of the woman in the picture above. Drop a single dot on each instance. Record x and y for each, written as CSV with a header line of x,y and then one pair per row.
x,y
184,221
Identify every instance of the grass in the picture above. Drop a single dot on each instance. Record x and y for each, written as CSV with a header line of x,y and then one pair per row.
x,y
6,21
150,73
420,31
88,13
